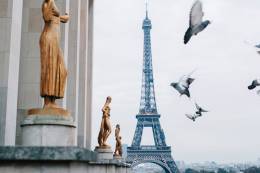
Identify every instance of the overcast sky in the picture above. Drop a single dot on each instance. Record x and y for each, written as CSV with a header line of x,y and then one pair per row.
x,y
225,66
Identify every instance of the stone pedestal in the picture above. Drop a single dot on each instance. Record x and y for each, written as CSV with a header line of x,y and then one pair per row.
x,y
104,154
119,158
50,127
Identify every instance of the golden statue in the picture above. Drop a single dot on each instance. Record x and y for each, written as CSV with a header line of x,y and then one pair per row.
x,y
53,70
118,149
105,127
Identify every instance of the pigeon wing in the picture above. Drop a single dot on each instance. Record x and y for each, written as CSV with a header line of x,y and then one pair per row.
x,y
203,110
188,35
200,108
257,82
250,87
197,106
190,80
254,84
189,116
196,14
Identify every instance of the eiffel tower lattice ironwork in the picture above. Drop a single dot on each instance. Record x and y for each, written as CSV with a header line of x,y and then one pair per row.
x,y
148,116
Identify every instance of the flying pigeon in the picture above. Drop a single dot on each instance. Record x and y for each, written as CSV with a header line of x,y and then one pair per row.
x,y
192,117
196,24
254,84
257,46
183,85
200,110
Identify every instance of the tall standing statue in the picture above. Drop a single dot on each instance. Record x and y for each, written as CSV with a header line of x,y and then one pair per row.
x,y
105,127
118,150
53,70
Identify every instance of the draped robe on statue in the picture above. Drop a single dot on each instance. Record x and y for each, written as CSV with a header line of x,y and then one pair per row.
x,y
53,70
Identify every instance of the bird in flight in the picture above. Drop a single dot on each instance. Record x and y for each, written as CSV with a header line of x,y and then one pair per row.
x,y
200,110
183,85
196,24
254,84
257,46
197,114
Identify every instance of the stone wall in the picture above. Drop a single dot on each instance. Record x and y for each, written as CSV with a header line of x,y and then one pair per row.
x,y
10,39
60,167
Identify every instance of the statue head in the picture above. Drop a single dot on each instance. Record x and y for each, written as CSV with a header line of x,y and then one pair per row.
x,y
118,126
109,99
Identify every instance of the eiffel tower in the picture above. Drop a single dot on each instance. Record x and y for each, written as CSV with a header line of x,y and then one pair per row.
x,y
148,116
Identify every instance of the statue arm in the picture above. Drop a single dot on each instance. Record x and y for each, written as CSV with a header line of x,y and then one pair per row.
x,y
47,13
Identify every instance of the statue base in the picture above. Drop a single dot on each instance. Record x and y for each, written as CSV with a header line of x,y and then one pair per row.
x,y
118,157
104,153
49,111
48,127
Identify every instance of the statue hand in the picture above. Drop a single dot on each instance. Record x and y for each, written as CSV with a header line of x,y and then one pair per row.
x,y
64,18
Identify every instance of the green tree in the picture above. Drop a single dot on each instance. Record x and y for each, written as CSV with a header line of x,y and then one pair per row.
x,y
190,171
252,170
221,170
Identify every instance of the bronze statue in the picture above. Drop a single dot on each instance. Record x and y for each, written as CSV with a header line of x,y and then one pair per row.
x,y
118,149
105,128
53,70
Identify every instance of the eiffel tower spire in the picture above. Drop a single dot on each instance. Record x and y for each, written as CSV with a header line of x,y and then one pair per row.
x,y
147,103
146,8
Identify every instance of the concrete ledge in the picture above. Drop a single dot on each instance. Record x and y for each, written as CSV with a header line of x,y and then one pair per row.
x,y
56,160
46,154
60,167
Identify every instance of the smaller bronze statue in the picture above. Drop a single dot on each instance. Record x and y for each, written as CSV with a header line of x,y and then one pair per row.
x,y
118,150
105,127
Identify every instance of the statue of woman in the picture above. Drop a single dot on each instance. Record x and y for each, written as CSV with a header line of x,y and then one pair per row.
x,y
105,128
53,70
118,148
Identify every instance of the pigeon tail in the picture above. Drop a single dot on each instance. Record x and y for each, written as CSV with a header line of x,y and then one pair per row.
x,y
188,35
